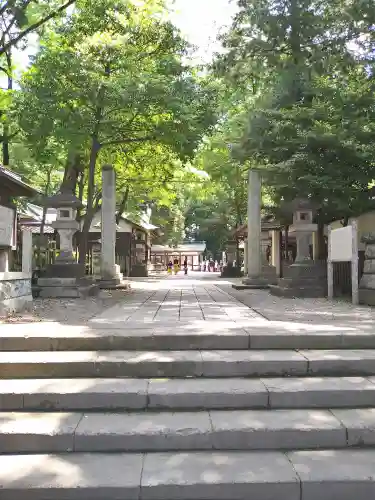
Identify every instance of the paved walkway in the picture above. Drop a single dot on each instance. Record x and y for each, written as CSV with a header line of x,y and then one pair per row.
x,y
182,299
205,297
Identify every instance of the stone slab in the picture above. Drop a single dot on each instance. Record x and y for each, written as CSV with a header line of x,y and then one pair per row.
x,y
341,362
76,476
367,281
73,394
15,305
220,476
253,363
369,266
144,431
243,286
207,393
149,363
147,338
277,430
298,292
366,296
335,474
35,432
360,425
320,392
50,282
109,364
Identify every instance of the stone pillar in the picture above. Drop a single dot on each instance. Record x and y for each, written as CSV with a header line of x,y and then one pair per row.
x,y
275,252
66,244
254,278
264,242
245,243
109,270
27,251
315,245
367,283
303,247
4,260
253,225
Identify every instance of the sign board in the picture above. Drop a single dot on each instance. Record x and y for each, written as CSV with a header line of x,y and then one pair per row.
x,y
7,227
343,247
341,244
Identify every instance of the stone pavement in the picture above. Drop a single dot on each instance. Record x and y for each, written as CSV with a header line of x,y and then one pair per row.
x,y
177,299
182,391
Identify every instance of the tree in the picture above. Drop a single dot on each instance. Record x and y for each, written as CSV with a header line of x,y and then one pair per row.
x,y
323,149
272,35
19,18
310,118
110,79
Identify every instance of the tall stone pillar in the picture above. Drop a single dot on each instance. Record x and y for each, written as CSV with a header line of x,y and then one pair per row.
x,y
109,271
315,245
254,278
253,224
4,260
245,260
275,252
27,251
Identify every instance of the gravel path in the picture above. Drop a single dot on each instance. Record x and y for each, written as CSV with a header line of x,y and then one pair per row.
x,y
69,311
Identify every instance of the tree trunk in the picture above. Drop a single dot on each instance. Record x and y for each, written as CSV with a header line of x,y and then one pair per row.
x,y
5,145
286,243
321,242
95,148
83,240
44,215
81,187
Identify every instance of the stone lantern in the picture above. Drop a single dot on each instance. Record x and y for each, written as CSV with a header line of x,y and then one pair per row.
x,y
66,225
65,277
305,277
303,228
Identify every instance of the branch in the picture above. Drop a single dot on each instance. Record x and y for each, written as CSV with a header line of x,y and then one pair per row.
x,y
4,8
127,141
35,26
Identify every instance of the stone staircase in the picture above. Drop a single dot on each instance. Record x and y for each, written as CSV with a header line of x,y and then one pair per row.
x,y
184,412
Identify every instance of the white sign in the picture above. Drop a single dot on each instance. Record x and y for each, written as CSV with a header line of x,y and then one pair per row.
x,y
7,221
343,247
341,244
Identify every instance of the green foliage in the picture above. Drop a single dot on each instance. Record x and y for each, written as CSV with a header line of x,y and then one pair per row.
x,y
110,83
22,17
304,68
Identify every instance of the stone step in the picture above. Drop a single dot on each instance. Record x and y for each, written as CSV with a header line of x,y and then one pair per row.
x,y
201,430
297,291
257,334
240,363
178,394
298,475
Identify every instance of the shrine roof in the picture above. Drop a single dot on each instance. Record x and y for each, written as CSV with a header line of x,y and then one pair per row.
x,y
14,185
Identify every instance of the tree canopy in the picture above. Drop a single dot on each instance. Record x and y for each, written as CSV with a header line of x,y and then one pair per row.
x,y
292,93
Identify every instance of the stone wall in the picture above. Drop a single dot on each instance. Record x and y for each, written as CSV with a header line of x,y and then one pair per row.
x,y
15,292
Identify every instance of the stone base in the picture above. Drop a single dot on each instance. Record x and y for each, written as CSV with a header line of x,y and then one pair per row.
x,y
115,284
66,288
230,271
15,305
139,271
297,292
269,274
248,283
366,296
306,280
65,270
15,293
